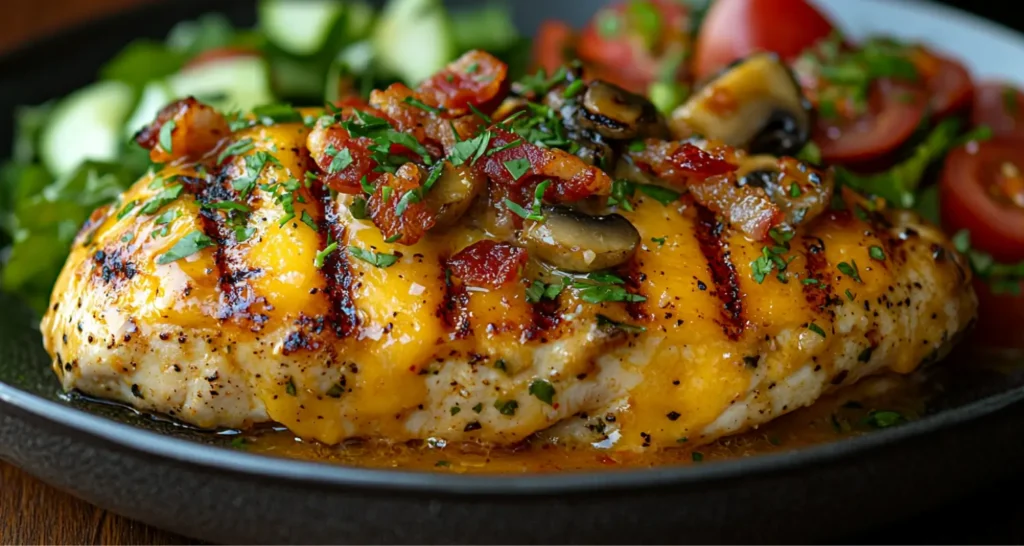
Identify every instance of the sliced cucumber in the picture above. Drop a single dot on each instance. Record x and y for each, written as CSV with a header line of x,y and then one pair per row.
x,y
358,21
488,28
88,124
234,83
413,39
351,62
300,27
155,96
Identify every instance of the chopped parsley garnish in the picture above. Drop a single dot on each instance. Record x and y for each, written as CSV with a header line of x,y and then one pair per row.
x,y
539,291
309,221
850,270
514,144
269,114
289,387
622,190
849,295
877,253
539,82
393,239
600,287
794,190
517,167
376,259
321,256
166,135
662,195
454,410
542,390
816,329
341,159
771,258
811,281
605,322
358,208
422,106
477,408
697,456
237,147
536,213
506,407
127,209
470,150
573,89
162,199
254,165
659,240
185,247
865,355
884,419
408,198
164,220
362,124
227,205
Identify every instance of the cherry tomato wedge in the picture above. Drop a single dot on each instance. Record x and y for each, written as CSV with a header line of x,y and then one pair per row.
x,y
982,190
894,113
637,42
948,81
733,29
999,317
221,53
1000,106
553,45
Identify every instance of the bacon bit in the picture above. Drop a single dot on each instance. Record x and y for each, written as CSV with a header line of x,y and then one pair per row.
x,y
325,141
415,220
476,78
572,179
747,208
197,130
695,161
711,181
488,264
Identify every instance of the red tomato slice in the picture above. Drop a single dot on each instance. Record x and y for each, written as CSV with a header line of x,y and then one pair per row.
x,y
640,40
999,318
734,29
895,111
221,53
949,83
552,45
972,178
1000,106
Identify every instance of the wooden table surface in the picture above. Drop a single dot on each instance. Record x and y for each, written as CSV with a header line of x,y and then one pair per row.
x,y
32,512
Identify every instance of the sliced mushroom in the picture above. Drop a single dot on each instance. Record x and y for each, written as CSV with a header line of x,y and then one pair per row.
x,y
615,113
800,191
580,243
754,104
453,193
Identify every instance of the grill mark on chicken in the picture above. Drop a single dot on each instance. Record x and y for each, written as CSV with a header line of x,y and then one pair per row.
x,y
236,296
454,310
113,267
819,295
337,273
723,273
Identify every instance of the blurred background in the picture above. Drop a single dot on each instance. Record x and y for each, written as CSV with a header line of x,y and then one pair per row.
x,y
24,20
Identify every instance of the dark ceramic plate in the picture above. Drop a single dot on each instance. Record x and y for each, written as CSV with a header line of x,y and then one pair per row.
x,y
192,484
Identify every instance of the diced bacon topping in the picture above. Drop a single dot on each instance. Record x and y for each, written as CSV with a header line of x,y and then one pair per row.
x,y
488,264
476,78
400,218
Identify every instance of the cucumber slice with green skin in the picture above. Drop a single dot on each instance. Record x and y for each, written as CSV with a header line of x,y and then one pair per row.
x,y
155,96
488,28
352,62
300,27
87,124
230,83
413,39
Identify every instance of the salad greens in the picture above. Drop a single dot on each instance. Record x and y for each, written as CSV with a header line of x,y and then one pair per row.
x,y
76,153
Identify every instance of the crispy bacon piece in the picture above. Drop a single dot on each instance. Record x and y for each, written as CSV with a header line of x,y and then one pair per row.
x,y
710,178
488,264
343,160
196,130
572,179
415,220
476,78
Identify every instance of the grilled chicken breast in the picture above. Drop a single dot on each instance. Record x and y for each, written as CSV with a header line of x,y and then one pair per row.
x,y
288,305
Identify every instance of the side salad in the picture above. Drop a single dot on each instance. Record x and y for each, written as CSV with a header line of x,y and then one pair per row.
x,y
76,153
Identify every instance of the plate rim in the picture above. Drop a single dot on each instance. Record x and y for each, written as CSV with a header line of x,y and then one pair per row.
x,y
333,475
